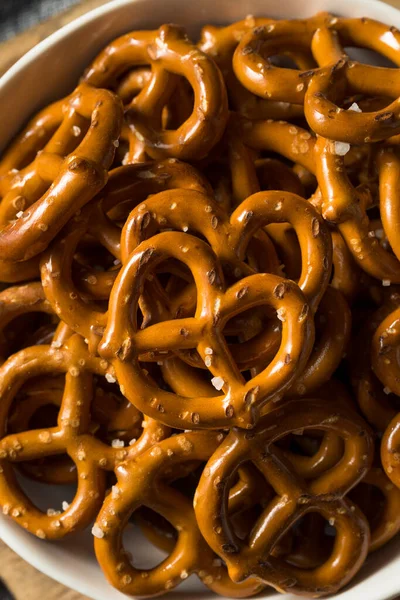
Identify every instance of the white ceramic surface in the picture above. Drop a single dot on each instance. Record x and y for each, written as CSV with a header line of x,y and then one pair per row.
x,y
46,73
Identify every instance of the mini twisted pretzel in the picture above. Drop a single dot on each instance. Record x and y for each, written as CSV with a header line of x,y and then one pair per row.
x,y
230,240
345,205
126,183
390,450
27,144
123,342
384,520
91,457
220,43
63,185
110,420
20,300
374,403
246,495
384,351
141,482
333,328
295,498
171,51
319,89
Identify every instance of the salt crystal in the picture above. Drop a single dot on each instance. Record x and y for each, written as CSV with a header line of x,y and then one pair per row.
x,y
97,531
341,148
218,383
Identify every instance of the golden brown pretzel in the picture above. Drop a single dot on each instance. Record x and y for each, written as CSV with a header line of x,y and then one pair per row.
x,y
324,495
384,520
62,178
91,456
172,54
230,239
220,43
321,89
123,342
347,206
142,483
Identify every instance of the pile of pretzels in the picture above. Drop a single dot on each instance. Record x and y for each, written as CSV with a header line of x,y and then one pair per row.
x,y
200,306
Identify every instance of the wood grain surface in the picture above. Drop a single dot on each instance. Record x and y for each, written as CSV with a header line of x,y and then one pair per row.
x,y
25,582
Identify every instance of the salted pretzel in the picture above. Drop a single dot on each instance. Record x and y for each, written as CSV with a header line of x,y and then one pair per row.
x,y
230,239
92,457
170,54
321,89
84,317
64,177
98,220
122,343
220,43
324,495
384,520
374,399
346,206
249,492
141,482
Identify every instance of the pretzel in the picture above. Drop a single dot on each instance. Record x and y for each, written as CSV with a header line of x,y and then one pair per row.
x,y
324,495
91,457
320,88
141,482
249,492
220,43
170,50
257,211
200,331
384,523
346,206
53,188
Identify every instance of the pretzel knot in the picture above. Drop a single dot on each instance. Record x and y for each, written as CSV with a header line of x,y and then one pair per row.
x,y
321,89
72,436
295,498
170,54
64,176
143,482
123,342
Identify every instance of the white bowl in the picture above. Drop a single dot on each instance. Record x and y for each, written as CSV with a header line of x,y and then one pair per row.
x,y
46,73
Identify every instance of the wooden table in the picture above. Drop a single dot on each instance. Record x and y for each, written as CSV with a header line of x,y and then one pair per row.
x,y
23,580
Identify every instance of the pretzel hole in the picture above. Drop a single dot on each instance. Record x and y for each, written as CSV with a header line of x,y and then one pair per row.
x,y
44,497
371,501
308,543
28,330
152,537
369,57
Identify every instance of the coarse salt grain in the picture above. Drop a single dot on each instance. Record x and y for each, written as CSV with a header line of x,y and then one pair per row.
x,y
341,148
117,443
387,390
65,506
76,130
280,313
97,532
386,282
355,108
110,378
115,492
218,383
19,214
